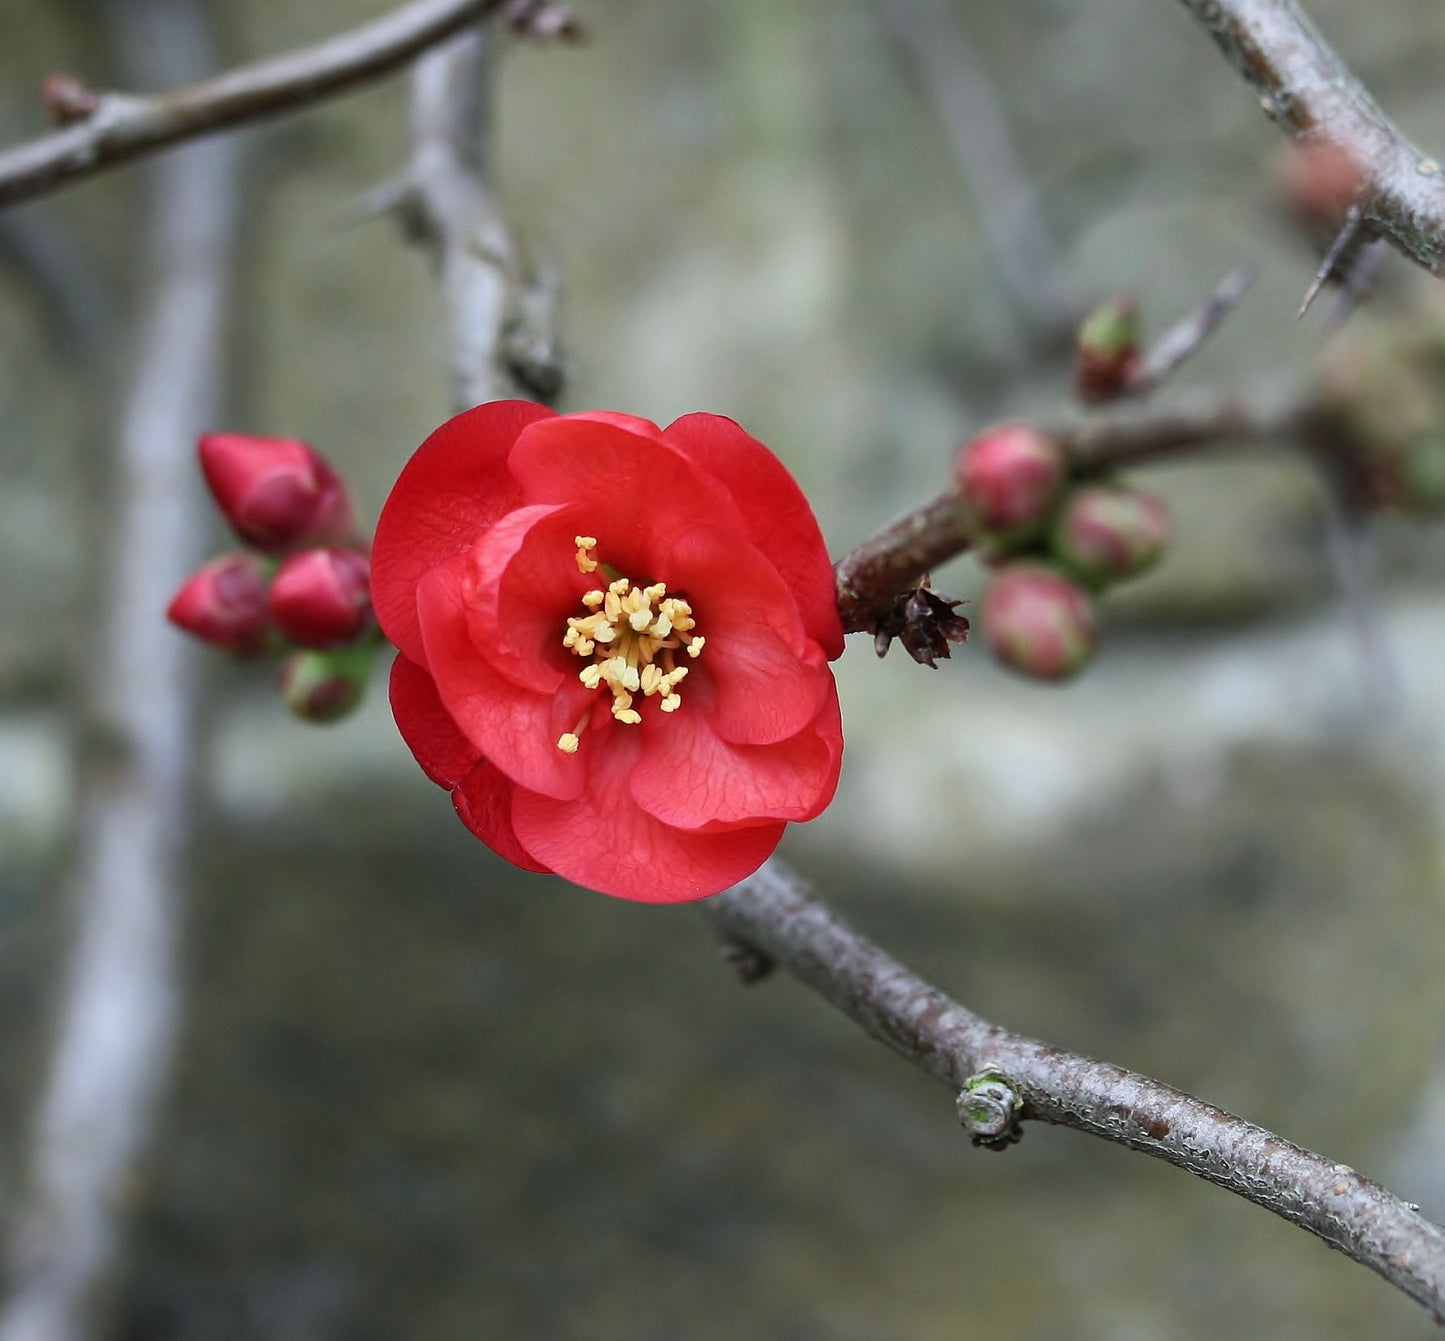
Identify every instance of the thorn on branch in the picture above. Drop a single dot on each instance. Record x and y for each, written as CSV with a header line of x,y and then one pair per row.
x,y
68,100
1339,259
924,622
543,21
749,963
989,1108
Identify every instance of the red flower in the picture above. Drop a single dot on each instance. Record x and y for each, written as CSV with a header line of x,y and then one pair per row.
x,y
614,643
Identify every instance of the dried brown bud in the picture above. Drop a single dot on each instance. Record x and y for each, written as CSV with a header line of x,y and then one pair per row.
x,y
924,622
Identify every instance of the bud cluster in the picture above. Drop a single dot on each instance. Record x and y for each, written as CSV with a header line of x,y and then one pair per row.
x,y
1052,544
302,587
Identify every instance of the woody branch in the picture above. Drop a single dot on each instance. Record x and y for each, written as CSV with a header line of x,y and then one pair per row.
x,y
112,128
773,918
1309,92
898,556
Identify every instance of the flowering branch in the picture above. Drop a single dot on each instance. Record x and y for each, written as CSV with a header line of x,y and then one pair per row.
x,y
1309,92
897,557
112,128
1003,1078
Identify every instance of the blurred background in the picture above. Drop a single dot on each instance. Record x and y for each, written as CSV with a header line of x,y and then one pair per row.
x,y
415,1093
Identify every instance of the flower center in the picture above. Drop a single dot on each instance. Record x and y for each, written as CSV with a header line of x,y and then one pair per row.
x,y
630,639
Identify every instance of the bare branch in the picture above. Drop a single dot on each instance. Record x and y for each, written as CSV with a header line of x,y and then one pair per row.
x,y
774,915
503,337
897,557
123,126
1308,91
117,1018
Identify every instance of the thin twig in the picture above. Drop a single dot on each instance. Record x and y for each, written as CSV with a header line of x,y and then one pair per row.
x,y
775,915
964,100
117,1017
896,558
1187,336
124,126
1309,91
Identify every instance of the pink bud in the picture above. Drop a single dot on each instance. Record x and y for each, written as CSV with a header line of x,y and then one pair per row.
x,y
277,493
1039,622
324,686
1008,481
1105,534
322,598
224,603
1106,351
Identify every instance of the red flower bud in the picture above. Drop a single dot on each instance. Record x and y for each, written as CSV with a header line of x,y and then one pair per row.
x,y
1106,534
224,603
1107,351
325,686
278,494
322,598
1039,622
1008,481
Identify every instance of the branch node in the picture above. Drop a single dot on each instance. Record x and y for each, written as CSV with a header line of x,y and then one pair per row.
x,y
68,100
989,1108
544,21
749,962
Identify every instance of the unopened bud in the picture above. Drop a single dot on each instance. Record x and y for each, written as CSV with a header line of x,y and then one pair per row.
x,y
278,494
1008,480
1039,622
224,603
325,686
1105,534
322,598
1107,351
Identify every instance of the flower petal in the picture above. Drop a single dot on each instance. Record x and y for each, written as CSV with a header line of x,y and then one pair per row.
x,y
454,487
521,583
483,800
688,777
445,755
516,728
639,490
778,517
771,677
605,841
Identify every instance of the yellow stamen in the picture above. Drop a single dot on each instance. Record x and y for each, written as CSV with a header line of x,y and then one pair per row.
x,y
628,636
